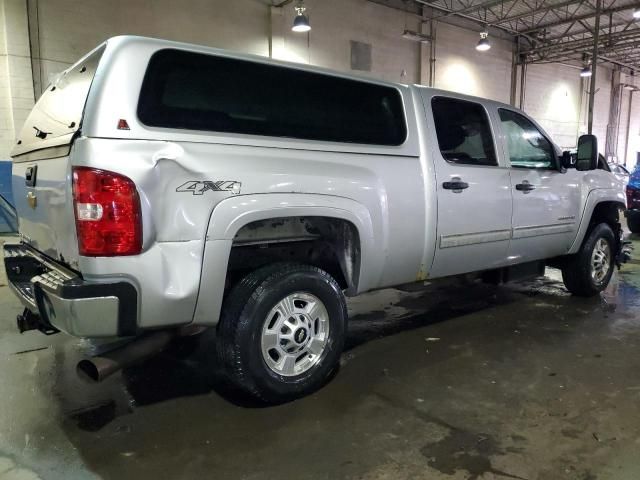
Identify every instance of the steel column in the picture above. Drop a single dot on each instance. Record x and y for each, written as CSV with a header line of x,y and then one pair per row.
x,y
514,71
523,83
626,140
594,67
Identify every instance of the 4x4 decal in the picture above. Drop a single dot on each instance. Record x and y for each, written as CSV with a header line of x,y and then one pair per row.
x,y
199,187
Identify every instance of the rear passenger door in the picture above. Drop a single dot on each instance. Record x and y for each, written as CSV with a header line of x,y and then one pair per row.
x,y
545,201
473,187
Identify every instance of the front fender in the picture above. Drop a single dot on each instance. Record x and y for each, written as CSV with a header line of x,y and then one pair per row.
x,y
594,198
230,215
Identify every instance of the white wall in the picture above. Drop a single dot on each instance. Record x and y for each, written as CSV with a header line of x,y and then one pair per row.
x,y
336,22
553,97
16,87
634,132
70,28
461,68
67,29
622,128
601,105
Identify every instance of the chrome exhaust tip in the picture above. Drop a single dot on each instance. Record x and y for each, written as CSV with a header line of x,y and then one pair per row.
x,y
98,368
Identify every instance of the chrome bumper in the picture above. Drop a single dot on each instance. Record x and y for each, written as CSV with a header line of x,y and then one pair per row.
x,y
62,299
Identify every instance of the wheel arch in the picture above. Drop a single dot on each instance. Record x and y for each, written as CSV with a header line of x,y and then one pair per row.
x,y
602,206
237,214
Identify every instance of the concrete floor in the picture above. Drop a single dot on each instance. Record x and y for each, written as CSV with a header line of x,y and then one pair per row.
x,y
438,382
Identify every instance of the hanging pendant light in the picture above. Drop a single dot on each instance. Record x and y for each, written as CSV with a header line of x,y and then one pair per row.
x,y
483,44
301,22
586,71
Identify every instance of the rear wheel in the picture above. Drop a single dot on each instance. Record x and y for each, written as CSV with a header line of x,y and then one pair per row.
x,y
282,331
588,272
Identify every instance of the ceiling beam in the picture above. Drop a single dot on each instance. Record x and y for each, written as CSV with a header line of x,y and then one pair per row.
x,y
541,9
477,20
578,52
475,8
629,43
561,46
578,45
585,16
601,59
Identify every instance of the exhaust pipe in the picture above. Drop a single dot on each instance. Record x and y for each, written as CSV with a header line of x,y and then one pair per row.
x,y
96,369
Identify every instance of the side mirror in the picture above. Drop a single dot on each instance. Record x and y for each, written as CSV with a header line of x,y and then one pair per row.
x,y
587,157
566,161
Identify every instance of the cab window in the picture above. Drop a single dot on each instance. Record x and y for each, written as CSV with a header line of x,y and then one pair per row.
x,y
464,134
527,147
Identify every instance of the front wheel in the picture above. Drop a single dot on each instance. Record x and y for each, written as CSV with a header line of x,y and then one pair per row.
x,y
282,331
588,272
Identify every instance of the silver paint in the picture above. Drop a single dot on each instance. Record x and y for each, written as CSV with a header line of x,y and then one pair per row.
x,y
407,224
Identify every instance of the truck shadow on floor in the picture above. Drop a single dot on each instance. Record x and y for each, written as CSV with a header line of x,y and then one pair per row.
x,y
191,368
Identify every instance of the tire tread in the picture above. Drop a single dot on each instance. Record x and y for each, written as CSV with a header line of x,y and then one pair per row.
x,y
251,287
576,273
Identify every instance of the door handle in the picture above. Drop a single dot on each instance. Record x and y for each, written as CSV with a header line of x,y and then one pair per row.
x,y
30,176
525,187
455,185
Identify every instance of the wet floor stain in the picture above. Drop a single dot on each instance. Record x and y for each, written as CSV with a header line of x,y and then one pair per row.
x,y
94,417
466,451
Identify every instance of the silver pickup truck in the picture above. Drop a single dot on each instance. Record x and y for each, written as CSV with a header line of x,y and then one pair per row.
x,y
163,187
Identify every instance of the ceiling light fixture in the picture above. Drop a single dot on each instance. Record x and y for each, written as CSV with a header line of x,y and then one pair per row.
x,y
586,71
301,22
483,44
415,36
636,13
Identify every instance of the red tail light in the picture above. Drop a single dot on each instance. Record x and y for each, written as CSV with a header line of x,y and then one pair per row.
x,y
107,210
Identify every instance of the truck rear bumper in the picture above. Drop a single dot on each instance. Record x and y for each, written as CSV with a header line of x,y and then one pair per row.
x,y
62,299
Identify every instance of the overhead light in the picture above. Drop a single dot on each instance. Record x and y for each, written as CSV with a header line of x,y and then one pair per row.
x,y
301,22
586,71
415,36
483,44
636,13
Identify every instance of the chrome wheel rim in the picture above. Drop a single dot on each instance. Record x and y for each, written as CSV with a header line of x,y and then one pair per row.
x,y
295,334
600,261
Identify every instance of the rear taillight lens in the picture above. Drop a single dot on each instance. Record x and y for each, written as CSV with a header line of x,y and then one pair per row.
x,y
107,210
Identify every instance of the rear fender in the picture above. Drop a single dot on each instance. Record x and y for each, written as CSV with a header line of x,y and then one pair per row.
x,y
230,215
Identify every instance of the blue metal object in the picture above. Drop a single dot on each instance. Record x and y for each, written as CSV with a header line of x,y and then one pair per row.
x,y
634,179
8,219
5,181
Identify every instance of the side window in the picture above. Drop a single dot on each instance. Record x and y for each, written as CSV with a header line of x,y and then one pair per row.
x,y
464,134
528,148
196,91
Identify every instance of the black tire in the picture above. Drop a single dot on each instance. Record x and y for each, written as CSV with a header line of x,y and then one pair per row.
x,y
633,222
244,314
576,272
